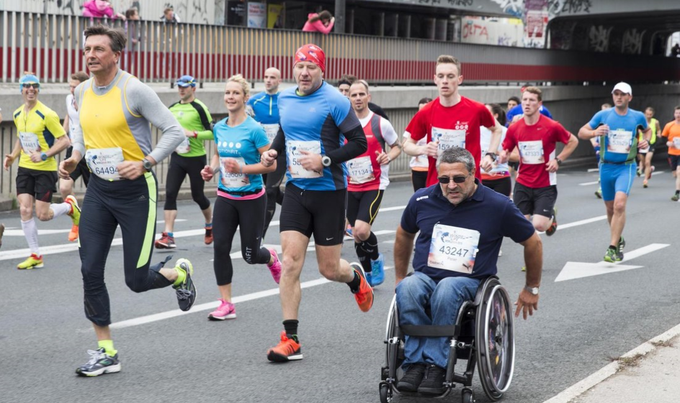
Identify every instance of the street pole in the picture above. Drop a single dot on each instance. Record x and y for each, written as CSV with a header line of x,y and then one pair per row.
x,y
339,16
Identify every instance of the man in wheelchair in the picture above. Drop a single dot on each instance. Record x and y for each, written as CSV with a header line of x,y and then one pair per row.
x,y
461,225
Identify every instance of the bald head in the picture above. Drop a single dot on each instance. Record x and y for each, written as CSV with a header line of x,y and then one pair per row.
x,y
272,79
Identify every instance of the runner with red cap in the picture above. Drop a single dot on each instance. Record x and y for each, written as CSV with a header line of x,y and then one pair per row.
x,y
315,122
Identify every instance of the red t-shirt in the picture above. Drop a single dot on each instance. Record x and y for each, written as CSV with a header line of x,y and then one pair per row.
x,y
364,172
456,125
536,145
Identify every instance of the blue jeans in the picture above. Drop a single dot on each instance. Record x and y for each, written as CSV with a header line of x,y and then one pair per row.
x,y
414,294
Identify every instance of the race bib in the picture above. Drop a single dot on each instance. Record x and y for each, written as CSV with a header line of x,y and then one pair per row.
x,y
531,152
619,141
233,180
29,142
271,129
448,138
184,146
676,142
103,162
294,153
453,248
360,170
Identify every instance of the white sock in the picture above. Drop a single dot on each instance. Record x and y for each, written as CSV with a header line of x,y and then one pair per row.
x,y
31,234
60,209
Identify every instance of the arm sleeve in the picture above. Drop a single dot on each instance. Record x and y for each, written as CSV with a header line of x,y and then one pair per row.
x,y
77,141
486,119
279,142
666,130
388,132
144,101
53,124
415,127
408,218
206,121
318,25
596,120
356,140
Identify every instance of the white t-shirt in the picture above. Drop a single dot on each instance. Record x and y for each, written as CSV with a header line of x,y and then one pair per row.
x,y
73,118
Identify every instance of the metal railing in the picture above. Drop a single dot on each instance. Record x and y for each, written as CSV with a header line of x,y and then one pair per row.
x,y
50,46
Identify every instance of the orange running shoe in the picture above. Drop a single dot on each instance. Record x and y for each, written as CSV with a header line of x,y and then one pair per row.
x,y
286,350
364,296
208,238
74,213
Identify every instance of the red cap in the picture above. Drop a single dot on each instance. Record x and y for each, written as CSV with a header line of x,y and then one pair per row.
x,y
311,53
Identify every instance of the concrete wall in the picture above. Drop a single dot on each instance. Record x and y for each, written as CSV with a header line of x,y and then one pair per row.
x,y
573,106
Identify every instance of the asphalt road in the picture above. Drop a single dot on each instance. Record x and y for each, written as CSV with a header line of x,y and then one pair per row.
x,y
582,323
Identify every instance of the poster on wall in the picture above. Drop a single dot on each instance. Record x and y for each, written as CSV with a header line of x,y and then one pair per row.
x,y
257,15
275,16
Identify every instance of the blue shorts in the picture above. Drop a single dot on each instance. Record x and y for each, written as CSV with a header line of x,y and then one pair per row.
x,y
616,178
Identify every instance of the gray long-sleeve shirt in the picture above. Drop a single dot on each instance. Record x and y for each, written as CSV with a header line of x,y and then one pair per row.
x,y
119,114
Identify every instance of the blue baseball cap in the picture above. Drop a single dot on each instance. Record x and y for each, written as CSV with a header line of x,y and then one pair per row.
x,y
29,79
186,81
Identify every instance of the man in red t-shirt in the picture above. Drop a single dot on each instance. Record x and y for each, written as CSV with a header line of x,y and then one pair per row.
x,y
535,136
451,120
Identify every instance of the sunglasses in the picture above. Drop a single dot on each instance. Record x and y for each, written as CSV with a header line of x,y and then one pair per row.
x,y
36,86
445,180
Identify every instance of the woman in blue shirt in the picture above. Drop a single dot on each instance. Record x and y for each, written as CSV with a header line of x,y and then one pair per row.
x,y
241,197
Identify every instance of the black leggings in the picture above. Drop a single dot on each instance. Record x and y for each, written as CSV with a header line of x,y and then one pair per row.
x,y
419,179
179,168
107,204
228,215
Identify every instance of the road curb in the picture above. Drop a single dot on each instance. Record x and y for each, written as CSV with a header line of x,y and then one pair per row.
x,y
579,388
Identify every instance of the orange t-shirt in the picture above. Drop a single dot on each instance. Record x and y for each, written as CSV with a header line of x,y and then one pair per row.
x,y
672,132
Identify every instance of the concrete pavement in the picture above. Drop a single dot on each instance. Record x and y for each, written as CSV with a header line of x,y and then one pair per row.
x,y
648,373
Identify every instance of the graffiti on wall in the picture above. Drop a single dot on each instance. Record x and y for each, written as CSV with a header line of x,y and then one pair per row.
x,y
512,7
557,7
460,3
599,38
632,41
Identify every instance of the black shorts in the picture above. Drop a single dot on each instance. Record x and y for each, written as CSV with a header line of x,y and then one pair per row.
x,y
363,206
321,213
673,160
39,184
502,186
539,201
81,170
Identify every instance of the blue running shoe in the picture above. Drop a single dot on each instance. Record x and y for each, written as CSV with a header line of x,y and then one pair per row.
x,y
378,270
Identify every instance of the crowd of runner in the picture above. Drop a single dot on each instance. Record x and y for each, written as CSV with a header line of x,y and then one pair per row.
x,y
334,146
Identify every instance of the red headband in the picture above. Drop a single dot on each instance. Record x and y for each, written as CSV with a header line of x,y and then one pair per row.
x,y
311,53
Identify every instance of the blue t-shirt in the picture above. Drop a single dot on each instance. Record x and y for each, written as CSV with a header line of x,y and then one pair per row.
x,y
265,107
492,214
241,142
517,110
320,117
621,143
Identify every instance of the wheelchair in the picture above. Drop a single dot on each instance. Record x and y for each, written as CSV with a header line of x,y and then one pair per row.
x,y
483,336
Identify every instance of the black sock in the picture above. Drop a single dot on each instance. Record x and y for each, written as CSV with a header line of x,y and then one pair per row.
x,y
613,247
677,192
371,246
355,283
290,326
363,256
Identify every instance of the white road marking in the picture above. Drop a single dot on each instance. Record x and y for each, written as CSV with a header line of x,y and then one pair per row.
x,y
20,232
588,183
574,270
212,305
574,391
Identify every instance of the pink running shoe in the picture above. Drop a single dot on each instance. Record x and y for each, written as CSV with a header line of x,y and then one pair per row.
x,y
225,311
275,267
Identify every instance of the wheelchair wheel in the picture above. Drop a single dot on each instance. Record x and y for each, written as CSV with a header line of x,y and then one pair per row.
x,y
467,396
385,395
495,341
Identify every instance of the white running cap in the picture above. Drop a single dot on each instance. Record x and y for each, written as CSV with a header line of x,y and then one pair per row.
x,y
623,87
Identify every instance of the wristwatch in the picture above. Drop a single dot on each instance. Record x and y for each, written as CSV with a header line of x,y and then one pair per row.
x,y
43,156
147,165
492,155
532,290
559,161
326,161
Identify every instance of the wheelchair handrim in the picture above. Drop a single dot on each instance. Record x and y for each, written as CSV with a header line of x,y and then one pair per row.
x,y
501,344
